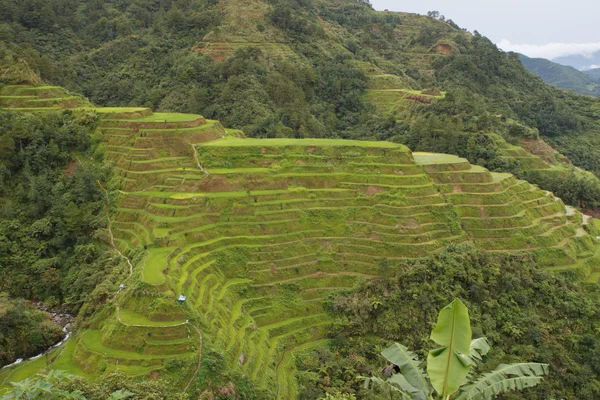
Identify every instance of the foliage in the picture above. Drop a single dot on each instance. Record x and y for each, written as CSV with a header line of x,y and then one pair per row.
x,y
24,331
448,366
561,76
214,381
51,210
138,53
59,385
43,387
526,314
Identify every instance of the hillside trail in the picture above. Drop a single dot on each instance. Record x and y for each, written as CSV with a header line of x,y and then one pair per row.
x,y
110,232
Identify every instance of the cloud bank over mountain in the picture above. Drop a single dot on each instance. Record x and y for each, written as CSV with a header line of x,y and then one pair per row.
x,y
552,51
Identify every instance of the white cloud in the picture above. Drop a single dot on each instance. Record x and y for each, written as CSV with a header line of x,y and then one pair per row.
x,y
551,50
588,67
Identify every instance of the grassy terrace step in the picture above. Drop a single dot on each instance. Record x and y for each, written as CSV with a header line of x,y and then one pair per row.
x,y
92,340
132,318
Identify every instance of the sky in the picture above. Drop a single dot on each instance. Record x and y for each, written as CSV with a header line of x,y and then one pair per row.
x,y
537,28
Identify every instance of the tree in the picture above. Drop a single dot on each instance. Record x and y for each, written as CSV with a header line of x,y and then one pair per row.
x,y
449,366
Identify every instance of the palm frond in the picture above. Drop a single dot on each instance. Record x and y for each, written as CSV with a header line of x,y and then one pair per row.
x,y
410,368
506,377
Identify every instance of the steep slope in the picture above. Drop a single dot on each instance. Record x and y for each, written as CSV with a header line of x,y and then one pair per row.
x,y
319,68
561,76
255,233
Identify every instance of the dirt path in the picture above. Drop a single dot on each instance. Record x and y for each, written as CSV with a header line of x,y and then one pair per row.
x,y
110,232
198,160
199,358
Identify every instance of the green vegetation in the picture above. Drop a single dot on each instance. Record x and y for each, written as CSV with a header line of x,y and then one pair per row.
x,y
256,233
448,366
348,208
562,76
24,331
51,209
58,385
306,69
295,250
523,311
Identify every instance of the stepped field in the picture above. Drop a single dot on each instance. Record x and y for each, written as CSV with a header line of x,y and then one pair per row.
x,y
255,233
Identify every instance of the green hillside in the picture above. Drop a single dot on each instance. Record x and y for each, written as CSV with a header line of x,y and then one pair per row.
x,y
256,233
315,68
251,199
561,76
594,74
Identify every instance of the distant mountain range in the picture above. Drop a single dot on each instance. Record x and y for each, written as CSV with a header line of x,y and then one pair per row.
x,y
579,61
564,77
594,74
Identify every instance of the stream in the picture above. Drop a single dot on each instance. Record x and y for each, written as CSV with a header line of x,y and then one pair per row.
x,y
63,319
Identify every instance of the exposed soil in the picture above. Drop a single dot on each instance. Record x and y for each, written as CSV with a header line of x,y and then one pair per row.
x,y
371,190
543,150
419,98
593,212
444,49
70,168
154,375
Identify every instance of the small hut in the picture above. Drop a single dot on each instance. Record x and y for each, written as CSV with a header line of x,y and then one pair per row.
x,y
181,299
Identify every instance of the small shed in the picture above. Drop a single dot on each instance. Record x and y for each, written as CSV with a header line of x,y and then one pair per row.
x,y
181,299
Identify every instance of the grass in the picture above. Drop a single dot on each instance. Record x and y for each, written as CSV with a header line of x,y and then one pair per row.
x,y
435,158
409,91
285,369
129,317
92,340
155,263
27,370
113,110
168,117
64,361
230,141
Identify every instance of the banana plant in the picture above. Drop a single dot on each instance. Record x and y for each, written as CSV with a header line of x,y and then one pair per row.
x,y
450,365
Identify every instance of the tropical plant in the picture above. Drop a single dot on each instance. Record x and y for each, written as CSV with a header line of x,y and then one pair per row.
x,y
48,387
449,366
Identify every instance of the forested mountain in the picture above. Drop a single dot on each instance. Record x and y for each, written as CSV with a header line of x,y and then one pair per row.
x,y
233,198
594,74
562,76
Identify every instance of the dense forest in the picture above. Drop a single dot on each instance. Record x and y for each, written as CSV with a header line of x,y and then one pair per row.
x,y
524,313
137,53
299,69
52,209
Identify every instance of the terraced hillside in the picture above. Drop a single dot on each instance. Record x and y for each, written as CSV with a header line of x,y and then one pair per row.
x,y
38,98
255,233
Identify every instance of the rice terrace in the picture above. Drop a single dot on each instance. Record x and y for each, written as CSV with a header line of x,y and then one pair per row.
x,y
252,234
294,200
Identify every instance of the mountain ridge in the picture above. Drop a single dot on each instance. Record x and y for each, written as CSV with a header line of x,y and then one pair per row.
x,y
561,76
